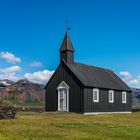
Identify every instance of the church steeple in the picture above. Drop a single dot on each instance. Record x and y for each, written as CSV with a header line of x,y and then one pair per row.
x,y
67,50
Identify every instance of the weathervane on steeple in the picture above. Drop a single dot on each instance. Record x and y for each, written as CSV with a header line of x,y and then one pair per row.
x,y
68,28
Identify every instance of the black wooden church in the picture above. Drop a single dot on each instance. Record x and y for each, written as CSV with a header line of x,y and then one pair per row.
x,y
77,87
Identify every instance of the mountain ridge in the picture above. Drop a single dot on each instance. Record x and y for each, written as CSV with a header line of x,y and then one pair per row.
x,y
21,91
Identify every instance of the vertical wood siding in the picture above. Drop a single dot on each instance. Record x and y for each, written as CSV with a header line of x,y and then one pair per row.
x,y
104,105
68,56
75,91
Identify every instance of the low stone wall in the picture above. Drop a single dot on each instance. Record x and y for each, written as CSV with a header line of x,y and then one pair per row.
x,y
136,110
31,109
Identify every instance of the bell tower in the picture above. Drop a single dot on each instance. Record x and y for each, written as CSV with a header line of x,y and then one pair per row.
x,y
67,50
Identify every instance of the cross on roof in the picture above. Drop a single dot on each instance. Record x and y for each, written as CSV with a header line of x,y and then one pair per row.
x,y
68,28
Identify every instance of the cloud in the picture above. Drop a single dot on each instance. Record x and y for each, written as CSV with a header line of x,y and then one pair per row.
x,y
134,81
125,73
39,76
128,78
10,73
36,64
9,57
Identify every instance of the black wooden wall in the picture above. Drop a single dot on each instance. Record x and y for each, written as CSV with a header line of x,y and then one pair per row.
x,y
75,91
104,105
80,98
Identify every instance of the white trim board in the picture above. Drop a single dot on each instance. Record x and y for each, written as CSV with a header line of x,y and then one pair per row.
x,y
98,113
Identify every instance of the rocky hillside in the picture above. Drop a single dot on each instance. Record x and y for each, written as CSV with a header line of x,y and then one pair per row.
x,y
136,98
21,91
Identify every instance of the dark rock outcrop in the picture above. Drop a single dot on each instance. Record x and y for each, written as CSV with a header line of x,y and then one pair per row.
x,y
7,112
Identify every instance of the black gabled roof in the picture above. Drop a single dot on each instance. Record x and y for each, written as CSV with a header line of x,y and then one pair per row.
x,y
92,76
66,44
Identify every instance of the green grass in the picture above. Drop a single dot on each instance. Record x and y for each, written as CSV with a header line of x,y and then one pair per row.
x,y
61,126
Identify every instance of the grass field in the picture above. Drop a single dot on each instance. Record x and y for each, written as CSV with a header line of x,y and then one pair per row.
x,y
60,126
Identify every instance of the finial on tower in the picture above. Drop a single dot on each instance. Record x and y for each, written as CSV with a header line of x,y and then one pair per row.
x,y
68,27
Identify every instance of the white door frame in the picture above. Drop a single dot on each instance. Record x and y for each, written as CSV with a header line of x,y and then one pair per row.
x,y
62,86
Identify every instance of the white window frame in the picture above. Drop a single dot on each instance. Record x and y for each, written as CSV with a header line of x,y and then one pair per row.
x,y
111,93
124,97
95,93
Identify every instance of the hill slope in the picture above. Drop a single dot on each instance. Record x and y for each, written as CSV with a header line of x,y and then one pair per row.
x,y
21,91
136,98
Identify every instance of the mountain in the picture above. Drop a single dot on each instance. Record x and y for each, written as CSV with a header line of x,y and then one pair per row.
x,y
6,82
21,91
135,98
